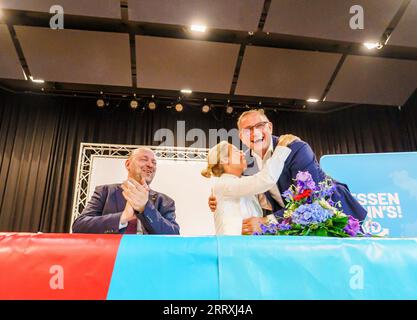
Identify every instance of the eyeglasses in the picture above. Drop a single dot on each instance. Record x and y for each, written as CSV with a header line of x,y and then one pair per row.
x,y
259,126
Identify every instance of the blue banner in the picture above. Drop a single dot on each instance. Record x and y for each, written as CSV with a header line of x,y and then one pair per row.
x,y
264,267
279,267
165,267
385,184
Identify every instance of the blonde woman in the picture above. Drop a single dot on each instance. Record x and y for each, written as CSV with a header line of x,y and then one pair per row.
x,y
236,194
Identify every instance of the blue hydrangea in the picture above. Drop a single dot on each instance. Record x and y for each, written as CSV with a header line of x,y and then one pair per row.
x,y
273,228
283,226
309,214
269,229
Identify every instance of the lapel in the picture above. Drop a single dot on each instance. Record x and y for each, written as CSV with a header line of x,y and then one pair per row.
x,y
120,200
272,201
145,223
279,184
153,195
275,205
274,142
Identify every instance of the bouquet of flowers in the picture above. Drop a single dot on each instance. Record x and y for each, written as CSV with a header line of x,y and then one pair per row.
x,y
310,211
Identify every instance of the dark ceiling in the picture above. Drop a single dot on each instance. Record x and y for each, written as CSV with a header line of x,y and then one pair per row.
x,y
277,53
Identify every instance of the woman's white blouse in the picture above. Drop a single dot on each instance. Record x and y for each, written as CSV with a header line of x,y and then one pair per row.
x,y
236,196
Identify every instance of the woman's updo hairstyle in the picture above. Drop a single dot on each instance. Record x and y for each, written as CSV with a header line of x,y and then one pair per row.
x,y
216,157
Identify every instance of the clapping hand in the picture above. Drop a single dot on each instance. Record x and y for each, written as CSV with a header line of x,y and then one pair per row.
x,y
128,214
136,194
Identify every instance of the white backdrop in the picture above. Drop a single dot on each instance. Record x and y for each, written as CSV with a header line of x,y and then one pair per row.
x,y
179,179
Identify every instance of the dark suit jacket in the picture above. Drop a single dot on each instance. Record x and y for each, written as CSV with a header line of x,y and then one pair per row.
x,y
302,158
103,211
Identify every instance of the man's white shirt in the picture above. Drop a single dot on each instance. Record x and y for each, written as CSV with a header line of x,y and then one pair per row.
x,y
274,191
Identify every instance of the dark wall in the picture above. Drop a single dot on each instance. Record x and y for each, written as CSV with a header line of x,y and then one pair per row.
x,y
40,137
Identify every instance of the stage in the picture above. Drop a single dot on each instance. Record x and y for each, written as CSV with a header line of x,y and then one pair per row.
x,y
114,267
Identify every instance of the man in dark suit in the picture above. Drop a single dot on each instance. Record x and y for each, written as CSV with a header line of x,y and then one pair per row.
x,y
256,133
130,207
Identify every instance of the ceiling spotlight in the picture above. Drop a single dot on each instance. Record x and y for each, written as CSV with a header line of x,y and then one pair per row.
x,y
179,107
373,45
36,80
250,33
134,104
313,100
186,91
229,109
100,103
205,108
198,28
152,105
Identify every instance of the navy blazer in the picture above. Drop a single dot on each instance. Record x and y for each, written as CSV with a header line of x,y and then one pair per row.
x,y
103,211
302,158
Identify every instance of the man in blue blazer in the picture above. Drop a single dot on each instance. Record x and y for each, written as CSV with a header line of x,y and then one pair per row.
x,y
256,133
130,207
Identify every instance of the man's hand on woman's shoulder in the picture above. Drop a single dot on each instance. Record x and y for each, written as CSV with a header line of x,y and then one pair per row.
x,y
286,139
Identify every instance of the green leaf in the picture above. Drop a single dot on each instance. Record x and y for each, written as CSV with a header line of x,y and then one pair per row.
x,y
306,232
340,234
340,222
322,232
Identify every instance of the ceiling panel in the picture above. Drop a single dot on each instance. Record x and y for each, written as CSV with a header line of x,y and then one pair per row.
x,y
93,8
329,19
284,73
10,67
373,80
173,64
75,56
219,14
405,34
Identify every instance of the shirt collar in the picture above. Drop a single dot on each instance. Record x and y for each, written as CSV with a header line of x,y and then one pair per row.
x,y
270,149
259,160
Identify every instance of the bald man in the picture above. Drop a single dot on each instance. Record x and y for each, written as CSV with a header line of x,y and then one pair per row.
x,y
131,207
